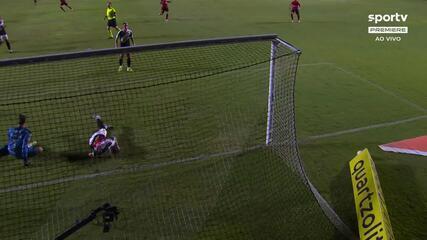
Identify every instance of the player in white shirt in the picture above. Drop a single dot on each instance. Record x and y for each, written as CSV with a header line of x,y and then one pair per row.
x,y
100,142
3,35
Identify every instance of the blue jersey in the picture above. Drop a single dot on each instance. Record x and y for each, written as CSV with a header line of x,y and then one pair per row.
x,y
18,139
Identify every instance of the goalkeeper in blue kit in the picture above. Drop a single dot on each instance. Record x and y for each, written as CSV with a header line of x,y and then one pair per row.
x,y
19,144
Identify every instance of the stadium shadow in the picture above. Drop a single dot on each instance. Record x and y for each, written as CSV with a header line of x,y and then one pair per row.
x,y
403,198
127,143
342,199
75,157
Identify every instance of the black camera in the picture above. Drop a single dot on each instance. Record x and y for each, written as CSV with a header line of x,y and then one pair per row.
x,y
109,216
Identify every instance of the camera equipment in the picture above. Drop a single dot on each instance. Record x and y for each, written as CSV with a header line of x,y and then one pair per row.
x,y
109,215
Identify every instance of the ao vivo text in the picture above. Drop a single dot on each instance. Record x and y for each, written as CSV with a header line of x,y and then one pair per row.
x,y
388,39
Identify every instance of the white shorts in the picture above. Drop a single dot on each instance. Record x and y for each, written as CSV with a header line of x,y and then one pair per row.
x,y
4,37
107,145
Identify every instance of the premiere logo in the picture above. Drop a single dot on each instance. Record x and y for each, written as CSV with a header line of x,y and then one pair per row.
x,y
379,19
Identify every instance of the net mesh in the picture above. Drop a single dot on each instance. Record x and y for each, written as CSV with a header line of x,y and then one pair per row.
x,y
191,123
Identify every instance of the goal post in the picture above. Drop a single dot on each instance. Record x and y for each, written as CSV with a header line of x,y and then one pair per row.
x,y
271,91
207,138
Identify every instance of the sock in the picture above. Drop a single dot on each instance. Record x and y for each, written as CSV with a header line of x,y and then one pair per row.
x,y
110,32
8,45
128,61
292,16
167,15
121,61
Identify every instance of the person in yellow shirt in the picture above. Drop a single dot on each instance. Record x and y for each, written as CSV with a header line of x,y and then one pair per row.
x,y
111,17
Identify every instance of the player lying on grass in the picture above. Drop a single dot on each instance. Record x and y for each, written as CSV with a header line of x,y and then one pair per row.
x,y
100,142
123,39
19,144
63,3
110,16
164,8
295,6
3,35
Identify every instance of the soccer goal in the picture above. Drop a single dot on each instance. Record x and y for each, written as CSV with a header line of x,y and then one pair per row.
x,y
207,139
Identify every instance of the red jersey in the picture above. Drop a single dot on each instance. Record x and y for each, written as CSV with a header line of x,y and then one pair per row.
x,y
98,141
164,2
295,4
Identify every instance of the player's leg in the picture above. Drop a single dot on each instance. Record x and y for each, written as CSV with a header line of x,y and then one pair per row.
x,y
129,69
114,148
108,145
9,47
166,10
69,7
292,15
4,151
121,62
110,33
5,38
104,146
62,7
33,150
297,12
115,25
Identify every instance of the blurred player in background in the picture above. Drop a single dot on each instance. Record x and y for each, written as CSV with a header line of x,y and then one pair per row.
x,y
19,144
63,3
164,8
123,39
110,16
295,7
100,142
3,35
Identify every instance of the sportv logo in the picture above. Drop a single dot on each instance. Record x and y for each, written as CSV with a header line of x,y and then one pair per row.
x,y
377,18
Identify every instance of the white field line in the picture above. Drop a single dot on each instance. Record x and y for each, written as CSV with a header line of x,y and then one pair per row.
x,y
360,129
373,84
138,168
134,168
381,88
314,64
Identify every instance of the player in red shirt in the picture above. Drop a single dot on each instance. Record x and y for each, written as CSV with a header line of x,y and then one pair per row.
x,y
295,6
164,8
64,3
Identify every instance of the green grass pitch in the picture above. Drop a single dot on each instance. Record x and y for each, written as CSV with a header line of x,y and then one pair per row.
x,y
346,81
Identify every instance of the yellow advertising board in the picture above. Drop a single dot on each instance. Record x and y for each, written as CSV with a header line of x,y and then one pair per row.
x,y
372,215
